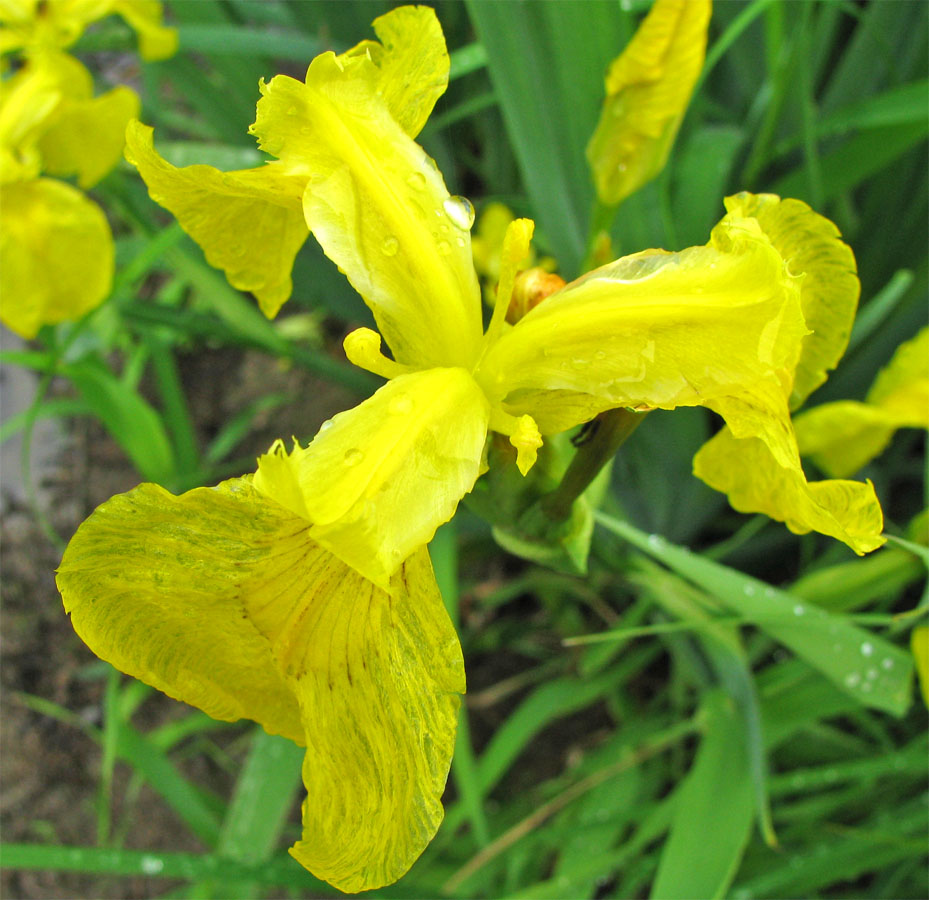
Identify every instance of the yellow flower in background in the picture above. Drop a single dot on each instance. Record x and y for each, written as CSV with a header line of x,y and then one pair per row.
x,y
648,88
49,24
842,437
919,642
56,248
745,468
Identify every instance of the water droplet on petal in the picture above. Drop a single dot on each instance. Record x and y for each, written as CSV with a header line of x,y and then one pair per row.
x,y
400,406
600,354
460,211
867,648
325,426
353,457
460,241
444,247
390,246
417,180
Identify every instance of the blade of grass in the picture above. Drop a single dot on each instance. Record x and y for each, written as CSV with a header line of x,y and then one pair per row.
x,y
874,671
703,850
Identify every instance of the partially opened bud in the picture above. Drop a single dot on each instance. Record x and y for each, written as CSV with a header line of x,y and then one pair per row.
x,y
531,288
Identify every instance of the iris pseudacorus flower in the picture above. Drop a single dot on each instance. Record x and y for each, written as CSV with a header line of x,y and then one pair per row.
x,y
56,248
302,596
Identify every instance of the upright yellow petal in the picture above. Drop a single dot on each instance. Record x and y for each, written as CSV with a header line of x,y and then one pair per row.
x,y
377,677
412,63
842,437
56,255
654,329
249,223
648,88
754,481
919,642
380,478
154,585
811,246
379,208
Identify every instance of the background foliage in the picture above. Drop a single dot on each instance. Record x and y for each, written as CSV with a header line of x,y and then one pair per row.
x,y
712,736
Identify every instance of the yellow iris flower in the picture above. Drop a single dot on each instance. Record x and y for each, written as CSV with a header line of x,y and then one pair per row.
x,y
27,24
302,596
841,437
648,88
56,249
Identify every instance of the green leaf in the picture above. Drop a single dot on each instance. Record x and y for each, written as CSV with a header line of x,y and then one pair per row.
x,y
546,63
128,417
713,816
871,669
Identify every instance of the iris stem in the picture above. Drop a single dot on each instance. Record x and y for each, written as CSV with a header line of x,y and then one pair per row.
x,y
601,222
609,432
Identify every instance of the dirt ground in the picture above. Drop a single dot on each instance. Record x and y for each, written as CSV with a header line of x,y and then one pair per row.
x,y
49,770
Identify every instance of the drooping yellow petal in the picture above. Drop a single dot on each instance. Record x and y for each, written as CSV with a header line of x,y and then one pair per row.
x,y
377,677
654,329
379,208
412,63
648,88
156,40
754,481
380,478
27,100
842,437
56,255
811,246
220,598
154,585
249,223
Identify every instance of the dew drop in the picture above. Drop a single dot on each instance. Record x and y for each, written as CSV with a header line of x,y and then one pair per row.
x,y
443,228
353,457
887,663
325,426
799,609
866,687
871,674
390,246
749,590
460,211
417,180
444,247
151,865
867,648
852,679
400,406
655,541
460,241
600,354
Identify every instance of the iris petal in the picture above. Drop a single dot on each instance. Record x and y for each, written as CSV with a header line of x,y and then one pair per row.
x,y
412,62
755,481
249,223
379,208
56,254
379,479
221,599
648,88
654,329
153,583
377,677
811,246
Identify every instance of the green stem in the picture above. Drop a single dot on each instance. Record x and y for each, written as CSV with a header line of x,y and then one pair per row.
x,y
610,431
601,221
